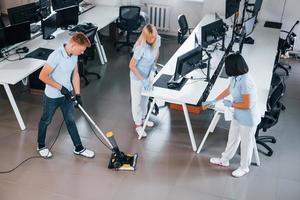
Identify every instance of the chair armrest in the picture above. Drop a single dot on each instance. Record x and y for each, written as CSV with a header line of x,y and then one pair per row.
x,y
190,30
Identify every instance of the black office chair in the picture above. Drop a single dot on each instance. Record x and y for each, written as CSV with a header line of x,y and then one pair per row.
x,y
2,25
271,117
89,54
284,45
183,30
129,21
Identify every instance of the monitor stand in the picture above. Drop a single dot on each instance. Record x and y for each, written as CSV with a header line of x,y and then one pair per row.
x,y
174,84
248,40
51,37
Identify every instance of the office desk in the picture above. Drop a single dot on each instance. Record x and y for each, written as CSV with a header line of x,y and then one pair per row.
x,y
260,59
101,16
192,91
13,72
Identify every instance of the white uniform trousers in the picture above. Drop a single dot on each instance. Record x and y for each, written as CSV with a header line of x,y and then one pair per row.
x,y
138,102
244,134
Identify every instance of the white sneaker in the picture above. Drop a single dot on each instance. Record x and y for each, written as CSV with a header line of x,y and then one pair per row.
x,y
44,152
85,152
149,123
140,131
219,161
239,172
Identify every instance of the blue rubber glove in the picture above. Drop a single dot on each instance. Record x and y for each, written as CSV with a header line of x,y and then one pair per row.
x,y
209,103
147,85
227,103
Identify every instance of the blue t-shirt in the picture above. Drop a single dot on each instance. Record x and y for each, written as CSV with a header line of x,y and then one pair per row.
x,y
63,66
239,86
145,56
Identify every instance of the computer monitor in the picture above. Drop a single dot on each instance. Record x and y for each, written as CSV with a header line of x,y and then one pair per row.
x,y
257,6
188,62
62,4
232,6
45,8
49,27
66,17
14,34
212,33
23,13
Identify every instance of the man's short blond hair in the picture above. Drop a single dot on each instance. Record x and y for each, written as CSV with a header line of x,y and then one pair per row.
x,y
81,39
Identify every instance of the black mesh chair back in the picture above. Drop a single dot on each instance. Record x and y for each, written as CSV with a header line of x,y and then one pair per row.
x,y
129,17
1,23
88,54
277,93
183,24
270,118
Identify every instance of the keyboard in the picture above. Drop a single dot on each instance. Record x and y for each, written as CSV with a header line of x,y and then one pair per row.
x,y
40,53
34,28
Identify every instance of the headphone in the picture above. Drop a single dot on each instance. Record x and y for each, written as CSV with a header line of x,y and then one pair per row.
x,y
22,50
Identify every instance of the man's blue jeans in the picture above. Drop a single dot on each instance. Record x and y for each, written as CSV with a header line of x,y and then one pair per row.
x,y
49,107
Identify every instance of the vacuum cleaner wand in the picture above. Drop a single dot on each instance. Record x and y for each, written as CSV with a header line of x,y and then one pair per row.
x,y
118,159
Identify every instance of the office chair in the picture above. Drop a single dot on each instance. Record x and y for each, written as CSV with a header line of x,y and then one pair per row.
x,y
183,30
88,55
274,107
2,25
285,45
129,21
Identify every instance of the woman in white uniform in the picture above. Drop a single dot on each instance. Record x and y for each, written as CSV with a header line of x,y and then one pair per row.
x,y
145,54
245,116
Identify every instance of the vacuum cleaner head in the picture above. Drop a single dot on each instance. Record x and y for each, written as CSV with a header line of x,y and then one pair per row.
x,y
121,161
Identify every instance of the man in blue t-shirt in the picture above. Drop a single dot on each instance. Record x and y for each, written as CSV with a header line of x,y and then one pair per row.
x,y
57,75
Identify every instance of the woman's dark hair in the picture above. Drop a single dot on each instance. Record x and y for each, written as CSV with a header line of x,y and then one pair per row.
x,y
235,65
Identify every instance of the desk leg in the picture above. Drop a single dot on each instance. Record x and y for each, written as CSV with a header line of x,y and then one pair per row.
x,y
14,106
103,53
148,116
102,49
211,127
98,46
188,123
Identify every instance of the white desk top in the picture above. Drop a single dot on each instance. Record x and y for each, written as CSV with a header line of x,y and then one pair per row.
x,y
13,72
259,57
100,15
191,92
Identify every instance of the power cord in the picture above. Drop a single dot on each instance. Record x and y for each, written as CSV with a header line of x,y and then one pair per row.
x,y
34,157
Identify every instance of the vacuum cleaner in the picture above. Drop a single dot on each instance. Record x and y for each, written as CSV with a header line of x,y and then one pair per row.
x,y
118,159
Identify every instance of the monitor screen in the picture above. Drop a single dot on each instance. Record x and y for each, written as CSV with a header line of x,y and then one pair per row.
x,y
212,33
23,13
249,25
62,4
68,16
188,62
14,34
232,6
45,8
257,6
49,27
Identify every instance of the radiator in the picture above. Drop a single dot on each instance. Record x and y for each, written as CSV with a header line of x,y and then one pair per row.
x,y
159,16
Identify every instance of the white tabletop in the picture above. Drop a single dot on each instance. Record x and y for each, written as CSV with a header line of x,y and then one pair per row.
x,y
191,92
100,15
259,57
13,72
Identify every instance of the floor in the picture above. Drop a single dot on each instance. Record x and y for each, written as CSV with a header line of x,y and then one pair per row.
x,y
167,167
